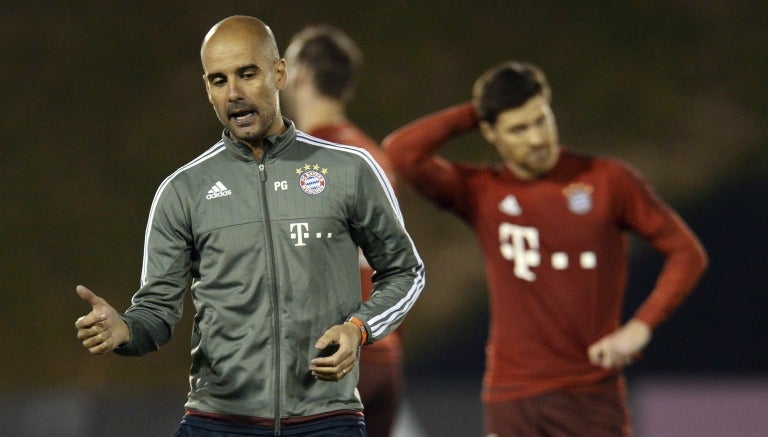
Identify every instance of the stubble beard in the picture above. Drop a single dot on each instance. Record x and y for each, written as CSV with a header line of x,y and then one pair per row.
x,y
254,135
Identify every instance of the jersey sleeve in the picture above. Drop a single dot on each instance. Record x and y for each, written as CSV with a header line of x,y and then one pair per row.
x,y
412,150
157,305
685,258
379,230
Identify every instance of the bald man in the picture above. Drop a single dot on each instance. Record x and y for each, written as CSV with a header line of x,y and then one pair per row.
x,y
267,223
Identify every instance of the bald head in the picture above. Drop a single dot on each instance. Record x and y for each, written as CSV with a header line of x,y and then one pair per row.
x,y
243,75
241,27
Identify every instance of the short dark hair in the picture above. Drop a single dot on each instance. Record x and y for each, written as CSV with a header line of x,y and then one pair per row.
x,y
333,58
507,86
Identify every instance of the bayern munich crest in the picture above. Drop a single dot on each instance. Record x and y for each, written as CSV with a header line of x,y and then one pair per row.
x,y
312,180
579,198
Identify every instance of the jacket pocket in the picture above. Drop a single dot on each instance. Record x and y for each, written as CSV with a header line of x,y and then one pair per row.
x,y
200,370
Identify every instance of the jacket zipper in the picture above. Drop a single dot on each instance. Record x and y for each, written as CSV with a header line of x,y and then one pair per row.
x,y
275,295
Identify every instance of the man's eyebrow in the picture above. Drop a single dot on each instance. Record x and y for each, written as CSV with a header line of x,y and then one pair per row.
x,y
240,70
248,67
210,76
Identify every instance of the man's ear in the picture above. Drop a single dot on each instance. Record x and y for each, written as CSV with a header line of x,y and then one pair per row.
x,y
486,130
207,89
281,73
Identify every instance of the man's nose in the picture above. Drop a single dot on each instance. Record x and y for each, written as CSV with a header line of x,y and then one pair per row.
x,y
535,137
233,91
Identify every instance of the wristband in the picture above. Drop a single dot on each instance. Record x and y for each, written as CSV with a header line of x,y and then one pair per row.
x,y
363,331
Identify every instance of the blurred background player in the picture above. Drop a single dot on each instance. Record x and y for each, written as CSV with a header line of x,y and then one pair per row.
x,y
323,65
552,225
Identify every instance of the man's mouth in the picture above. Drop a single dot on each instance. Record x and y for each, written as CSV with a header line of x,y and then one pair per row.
x,y
541,152
242,117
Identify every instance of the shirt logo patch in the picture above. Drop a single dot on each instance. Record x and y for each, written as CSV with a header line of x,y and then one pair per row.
x,y
509,206
218,190
579,198
312,179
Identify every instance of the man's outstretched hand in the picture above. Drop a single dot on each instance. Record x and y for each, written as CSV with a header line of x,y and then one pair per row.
x,y
101,330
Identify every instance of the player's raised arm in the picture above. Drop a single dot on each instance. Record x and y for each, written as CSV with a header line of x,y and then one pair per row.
x,y
412,150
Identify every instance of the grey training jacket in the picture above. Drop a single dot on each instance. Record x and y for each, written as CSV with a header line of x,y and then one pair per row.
x,y
272,248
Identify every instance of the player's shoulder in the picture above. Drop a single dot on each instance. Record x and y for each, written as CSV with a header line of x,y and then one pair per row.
x,y
201,162
480,169
192,170
347,133
597,162
351,155
618,173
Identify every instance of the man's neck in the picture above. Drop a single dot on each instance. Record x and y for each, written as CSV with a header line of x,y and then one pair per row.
x,y
257,148
258,152
319,111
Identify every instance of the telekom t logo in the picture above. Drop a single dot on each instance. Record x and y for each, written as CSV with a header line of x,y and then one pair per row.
x,y
520,245
299,233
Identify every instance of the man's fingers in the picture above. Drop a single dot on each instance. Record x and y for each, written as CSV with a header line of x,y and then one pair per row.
x,y
334,373
89,320
600,354
91,331
607,355
89,296
337,357
99,349
97,340
101,330
594,353
97,304
333,367
607,361
326,339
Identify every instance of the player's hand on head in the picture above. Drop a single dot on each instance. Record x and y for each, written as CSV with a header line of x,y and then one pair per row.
x,y
622,347
102,330
338,352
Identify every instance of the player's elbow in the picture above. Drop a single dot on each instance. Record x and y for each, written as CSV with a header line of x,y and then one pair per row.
x,y
703,259
697,259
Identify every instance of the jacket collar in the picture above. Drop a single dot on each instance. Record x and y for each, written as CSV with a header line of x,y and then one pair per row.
x,y
275,144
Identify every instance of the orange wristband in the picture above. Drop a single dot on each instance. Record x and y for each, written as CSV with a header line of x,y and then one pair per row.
x,y
361,325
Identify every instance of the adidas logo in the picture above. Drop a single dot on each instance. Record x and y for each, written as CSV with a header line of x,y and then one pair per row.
x,y
218,190
509,206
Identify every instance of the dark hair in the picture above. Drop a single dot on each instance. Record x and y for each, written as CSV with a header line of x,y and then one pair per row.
x,y
507,86
333,58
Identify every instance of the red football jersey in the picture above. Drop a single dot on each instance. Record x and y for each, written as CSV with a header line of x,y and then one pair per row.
x,y
555,251
386,350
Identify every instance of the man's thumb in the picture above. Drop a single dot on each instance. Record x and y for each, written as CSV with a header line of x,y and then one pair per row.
x,y
324,340
88,296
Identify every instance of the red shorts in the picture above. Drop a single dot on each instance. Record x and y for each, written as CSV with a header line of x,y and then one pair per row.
x,y
599,410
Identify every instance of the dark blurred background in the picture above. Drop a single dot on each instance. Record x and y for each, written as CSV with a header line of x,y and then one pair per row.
x,y
102,100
